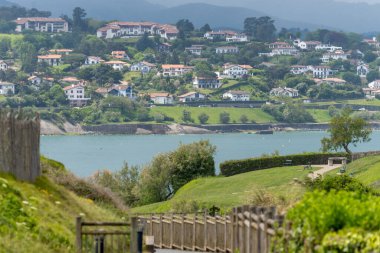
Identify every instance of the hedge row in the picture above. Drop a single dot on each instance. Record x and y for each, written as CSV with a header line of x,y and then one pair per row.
x,y
233,167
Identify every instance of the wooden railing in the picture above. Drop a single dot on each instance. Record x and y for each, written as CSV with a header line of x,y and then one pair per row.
x,y
247,229
101,237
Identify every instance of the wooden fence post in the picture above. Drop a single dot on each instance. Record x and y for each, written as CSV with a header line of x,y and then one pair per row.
x,y
79,234
134,228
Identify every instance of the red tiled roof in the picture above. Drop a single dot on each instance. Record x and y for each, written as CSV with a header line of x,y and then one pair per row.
x,y
21,21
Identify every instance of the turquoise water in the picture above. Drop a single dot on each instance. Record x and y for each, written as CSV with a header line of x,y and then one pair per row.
x,y
83,155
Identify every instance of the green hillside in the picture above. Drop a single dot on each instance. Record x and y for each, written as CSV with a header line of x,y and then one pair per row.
x,y
226,192
40,217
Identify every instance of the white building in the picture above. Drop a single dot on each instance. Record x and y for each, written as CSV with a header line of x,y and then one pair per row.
x,y
35,80
162,98
336,55
7,88
325,47
129,29
237,38
3,65
284,92
308,45
218,35
236,71
175,69
278,44
75,94
42,24
61,51
143,67
374,84
50,59
206,83
116,65
191,96
195,49
227,50
93,60
322,71
362,70
300,69
236,95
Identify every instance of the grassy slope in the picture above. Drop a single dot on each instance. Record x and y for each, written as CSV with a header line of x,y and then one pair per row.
x,y
257,115
320,116
366,170
40,217
227,192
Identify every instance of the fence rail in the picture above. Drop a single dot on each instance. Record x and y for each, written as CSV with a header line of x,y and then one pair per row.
x,y
247,229
101,237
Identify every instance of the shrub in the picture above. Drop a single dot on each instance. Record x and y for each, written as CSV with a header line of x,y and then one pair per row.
x,y
243,118
203,118
224,117
186,116
159,117
233,167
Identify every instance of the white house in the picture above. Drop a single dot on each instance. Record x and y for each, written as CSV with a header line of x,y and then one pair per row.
x,y
236,95
93,60
129,29
121,55
278,44
61,51
227,50
3,65
308,45
191,96
326,47
42,24
218,35
6,88
195,49
241,37
284,51
162,98
284,92
35,80
175,69
300,69
236,71
50,59
322,71
143,67
336,55
362,70
75,94
206,83
374,84
116,65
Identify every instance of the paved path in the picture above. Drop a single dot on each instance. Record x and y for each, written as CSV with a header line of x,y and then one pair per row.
x,y
323,170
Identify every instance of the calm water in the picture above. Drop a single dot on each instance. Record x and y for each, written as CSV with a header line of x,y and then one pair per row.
x,y
83,155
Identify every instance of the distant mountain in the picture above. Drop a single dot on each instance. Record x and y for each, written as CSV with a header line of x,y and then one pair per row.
x,y
99,9
219,16
355,17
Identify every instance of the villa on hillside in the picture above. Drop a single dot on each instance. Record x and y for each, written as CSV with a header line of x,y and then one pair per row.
x,y
235,70
3,65
191,96
195,49
93,60
206,83
50,59
284,92
322,71
121,55
308,45
336,55
7,88
42,24
239,37
362,70
236,95
75,95
130,29
119,90
34,80
300,69
227,50
218,35
329,48
116,65
278,44
61,51
143,67
175,69
162,98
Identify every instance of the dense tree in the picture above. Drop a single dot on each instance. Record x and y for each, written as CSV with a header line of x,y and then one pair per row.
x,y
205,28
203,118
184,27
373,75
352,78
346,130
224,117
80,24
28,55
261,29
144,42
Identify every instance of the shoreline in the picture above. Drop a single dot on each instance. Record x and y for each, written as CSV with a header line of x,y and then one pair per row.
x,y
49,128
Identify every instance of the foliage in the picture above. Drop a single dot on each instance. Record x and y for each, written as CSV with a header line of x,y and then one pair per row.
x,y
262,28
233,167
186,116
338,183
203,118
144,42
345,130
288,112
224,117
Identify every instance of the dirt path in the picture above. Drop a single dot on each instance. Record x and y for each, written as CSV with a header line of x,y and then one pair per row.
x,y
323,170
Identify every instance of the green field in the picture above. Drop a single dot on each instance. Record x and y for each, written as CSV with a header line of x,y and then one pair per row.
x,y
129,76
256,115
227,192
320,116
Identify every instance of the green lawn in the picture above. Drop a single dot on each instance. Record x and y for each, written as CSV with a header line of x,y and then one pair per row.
x,y
366,170
320,116
352,102
227,192
129,76
257,115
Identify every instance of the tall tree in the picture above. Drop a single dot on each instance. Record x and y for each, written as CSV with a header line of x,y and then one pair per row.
x,y
346,130
144,42
184,27
80,24
205,28
261,29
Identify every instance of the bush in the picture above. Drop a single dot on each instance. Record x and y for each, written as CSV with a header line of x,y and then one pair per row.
x,y
233,167
203,118
224,117
243,118
343,182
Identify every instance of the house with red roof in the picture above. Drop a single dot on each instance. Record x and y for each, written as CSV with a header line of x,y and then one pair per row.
x,y
42,24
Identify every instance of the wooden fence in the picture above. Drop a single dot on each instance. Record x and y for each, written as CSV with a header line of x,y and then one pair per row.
x,y
20,144
101,237
247,229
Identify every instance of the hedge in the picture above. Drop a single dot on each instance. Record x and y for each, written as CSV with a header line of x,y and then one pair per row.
x,y
233,167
